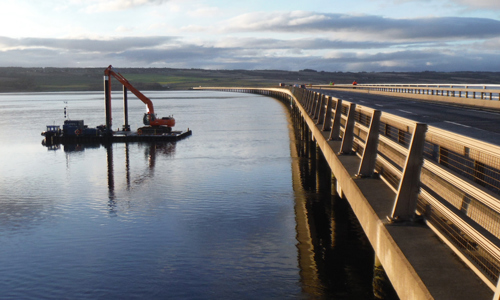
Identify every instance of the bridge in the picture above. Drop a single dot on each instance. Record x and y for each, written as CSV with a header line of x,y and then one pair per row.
x,y
427,197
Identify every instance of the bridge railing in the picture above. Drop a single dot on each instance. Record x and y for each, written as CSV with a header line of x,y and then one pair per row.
x,y
427,91
458,195
459,177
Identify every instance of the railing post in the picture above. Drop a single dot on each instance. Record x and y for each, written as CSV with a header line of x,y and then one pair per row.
x,y
328,114
348,138
367,166
314,106
310,101
335,131
320,112
497,291
406,199
305,100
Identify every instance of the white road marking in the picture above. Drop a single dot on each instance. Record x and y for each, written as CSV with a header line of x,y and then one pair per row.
x,y
486,112
405,111
458,124
379,105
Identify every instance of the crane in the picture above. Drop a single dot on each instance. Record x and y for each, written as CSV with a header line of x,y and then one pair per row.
x,y
154,124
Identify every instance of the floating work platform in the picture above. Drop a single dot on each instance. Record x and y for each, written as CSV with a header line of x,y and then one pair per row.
x,y
116,138
75,132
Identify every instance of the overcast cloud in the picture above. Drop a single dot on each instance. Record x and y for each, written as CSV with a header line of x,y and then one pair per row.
x,y
261,35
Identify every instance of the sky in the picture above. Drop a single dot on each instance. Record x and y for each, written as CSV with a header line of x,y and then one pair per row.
x,y
363,35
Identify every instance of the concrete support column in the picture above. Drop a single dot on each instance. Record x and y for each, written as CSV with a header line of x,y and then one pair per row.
x,y
409,187
367,166
335,128
338,188
348,138
381,284
333,183
327,123
306,139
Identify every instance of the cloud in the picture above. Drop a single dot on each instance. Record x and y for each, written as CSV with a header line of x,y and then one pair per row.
x,y
481,4
93,6
108,45
205,12
376,26
301,43
289,40
184,55
473,4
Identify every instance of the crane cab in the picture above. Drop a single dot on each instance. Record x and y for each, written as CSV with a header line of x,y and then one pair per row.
x,y
152,120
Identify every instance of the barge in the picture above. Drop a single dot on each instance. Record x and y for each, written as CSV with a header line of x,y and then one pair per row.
x,y
76,132
155,130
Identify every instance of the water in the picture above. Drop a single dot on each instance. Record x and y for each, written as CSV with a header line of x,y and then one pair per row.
x,y
219,215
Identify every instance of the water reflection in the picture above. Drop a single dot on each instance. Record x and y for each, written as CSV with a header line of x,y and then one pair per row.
x,y
111,180
151,151
68,148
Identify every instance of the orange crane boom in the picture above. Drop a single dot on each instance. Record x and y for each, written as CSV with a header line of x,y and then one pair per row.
x,y
150,117
111,71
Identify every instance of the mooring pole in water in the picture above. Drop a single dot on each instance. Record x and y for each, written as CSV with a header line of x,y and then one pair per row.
x,y
126,127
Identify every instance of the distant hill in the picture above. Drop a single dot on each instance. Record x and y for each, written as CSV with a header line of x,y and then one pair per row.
x,y
14,79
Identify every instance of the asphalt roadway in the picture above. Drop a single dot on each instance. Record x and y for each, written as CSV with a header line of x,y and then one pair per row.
x,y
479,124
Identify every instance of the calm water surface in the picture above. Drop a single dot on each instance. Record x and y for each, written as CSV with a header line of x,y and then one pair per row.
x,y
217,215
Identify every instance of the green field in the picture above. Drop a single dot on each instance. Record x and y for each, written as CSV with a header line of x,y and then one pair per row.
x,y
91,79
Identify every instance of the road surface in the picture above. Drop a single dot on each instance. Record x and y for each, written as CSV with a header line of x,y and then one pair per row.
x,y
475,123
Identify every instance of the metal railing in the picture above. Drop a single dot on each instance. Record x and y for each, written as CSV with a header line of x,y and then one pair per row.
x,y
459,192
454,91
459,180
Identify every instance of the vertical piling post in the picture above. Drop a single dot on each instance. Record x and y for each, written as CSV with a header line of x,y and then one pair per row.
x,y
107,104
126,127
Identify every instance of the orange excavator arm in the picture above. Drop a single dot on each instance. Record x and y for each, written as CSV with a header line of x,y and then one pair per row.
x,y
150,118
110,71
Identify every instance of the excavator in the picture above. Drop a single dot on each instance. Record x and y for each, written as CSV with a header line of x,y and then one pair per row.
x,y
153,124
